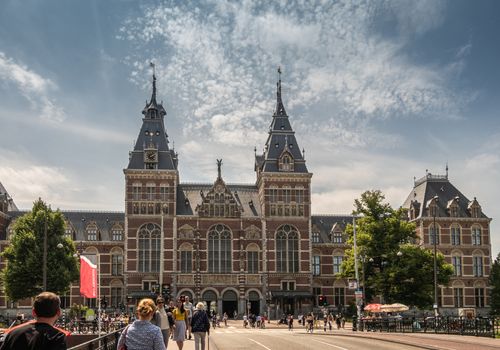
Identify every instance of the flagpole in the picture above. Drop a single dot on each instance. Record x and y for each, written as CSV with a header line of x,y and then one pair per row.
x,y
99,295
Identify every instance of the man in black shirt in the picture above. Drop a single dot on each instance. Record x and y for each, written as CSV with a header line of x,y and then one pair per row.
x,y
40,334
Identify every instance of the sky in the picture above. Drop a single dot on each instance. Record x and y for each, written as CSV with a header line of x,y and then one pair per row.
x,y
378,93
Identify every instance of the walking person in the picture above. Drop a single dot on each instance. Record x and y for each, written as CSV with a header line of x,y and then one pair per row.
x,y
162,320
142,334
41,333
188,306
200,326
180,317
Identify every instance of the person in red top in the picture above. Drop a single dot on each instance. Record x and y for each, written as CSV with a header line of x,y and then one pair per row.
x,y
40,334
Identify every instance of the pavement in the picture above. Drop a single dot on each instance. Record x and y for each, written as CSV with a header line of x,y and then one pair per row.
x,y
429,341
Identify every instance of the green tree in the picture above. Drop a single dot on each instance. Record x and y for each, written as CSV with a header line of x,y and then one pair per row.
x,y
23,275
494,280
390,264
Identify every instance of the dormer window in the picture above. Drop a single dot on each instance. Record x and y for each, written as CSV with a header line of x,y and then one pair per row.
x,y
117,233
286,162
91,232
315,237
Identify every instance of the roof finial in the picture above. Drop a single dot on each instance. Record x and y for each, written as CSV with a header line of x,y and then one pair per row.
x,y
219,165
152,65
446,169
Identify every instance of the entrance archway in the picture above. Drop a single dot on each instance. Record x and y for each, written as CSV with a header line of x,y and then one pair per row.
x,y
254,300
210,299
230,303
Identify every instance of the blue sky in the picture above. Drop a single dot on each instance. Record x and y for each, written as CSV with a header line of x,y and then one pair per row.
x,y
377,92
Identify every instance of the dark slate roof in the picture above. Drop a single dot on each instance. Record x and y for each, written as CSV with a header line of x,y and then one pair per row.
x,y
4,196
153,135
281,138
427,187
80,219
326,223
246,195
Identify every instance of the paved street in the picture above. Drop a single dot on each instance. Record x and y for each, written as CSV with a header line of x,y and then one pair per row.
x,y
235,336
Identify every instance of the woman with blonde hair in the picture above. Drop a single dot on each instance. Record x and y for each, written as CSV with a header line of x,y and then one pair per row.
x,y
142,334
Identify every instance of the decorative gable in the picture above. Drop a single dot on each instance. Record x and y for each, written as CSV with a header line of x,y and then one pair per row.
x,y
186,231
453,207
219,201
252,232
285,161
474,208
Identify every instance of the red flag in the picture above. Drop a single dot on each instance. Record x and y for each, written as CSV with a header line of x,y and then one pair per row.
x,y
88,278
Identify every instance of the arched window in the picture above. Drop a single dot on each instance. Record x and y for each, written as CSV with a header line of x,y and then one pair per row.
x,y
219,249
116,262
287,249
149,248
476,235
456,261
455,234
477,265
434,234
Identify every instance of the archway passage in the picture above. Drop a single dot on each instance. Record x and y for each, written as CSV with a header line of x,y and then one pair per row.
x,y
254,303
230,303
210,299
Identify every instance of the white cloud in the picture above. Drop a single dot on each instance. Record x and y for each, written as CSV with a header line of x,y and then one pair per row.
x,y
35,88
219,58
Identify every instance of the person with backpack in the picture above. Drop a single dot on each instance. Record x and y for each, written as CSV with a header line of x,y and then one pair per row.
x,y
200,326
41,333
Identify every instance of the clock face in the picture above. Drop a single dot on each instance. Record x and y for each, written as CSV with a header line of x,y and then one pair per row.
x,y
151,156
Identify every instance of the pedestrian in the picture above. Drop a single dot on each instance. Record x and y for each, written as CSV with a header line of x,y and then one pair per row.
x,y
142,334
162,320
224,318
338,321
200,326
180,317
290,322
188,306
39,334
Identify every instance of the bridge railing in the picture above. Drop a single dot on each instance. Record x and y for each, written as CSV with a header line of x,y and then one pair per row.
x,y
104,342
480,326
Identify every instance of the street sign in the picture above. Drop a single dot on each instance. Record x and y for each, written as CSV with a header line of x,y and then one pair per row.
x,y
358,294
353,284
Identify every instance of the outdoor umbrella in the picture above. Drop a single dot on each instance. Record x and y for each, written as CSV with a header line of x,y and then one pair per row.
x,y
373,307
396,307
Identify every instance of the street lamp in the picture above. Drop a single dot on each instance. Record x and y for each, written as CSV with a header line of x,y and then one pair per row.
x,y
436,311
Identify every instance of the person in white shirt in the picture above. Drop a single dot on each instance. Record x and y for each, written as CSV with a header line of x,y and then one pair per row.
x,y
161,320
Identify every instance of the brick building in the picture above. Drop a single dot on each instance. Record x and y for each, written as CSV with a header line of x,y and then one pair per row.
x,y
240,248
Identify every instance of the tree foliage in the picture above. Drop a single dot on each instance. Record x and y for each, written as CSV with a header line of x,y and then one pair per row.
x,y
382,232
23,275
494,280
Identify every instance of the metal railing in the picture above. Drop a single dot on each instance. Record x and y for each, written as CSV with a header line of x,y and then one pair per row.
x,y
479,326
105,342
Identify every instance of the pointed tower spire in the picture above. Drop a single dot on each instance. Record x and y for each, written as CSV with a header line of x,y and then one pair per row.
x,y
280,109
153,96
153,109
219,165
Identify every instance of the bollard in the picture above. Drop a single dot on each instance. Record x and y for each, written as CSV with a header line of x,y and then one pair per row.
x,y
354,324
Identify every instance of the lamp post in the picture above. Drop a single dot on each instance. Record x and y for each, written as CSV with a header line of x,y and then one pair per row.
x,y
358,293
435,306
45,254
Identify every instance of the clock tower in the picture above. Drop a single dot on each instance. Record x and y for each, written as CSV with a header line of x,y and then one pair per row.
x,y
151,180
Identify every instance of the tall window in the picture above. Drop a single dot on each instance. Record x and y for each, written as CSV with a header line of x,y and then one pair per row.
x,y
433,234
339,296
116,296
92,233
136,191
458,297
253,261
337,237
219,249
186,261
149,248
287,194
456,261
315,237
117,234
477,266
150,192
479,297
476,235
455,235
116,264
163,192
287,249
316,265
273,195
337,263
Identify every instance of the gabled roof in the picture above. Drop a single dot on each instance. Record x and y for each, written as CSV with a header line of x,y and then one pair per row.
x,y
328,223
281,136
80,219
429,186
6,199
